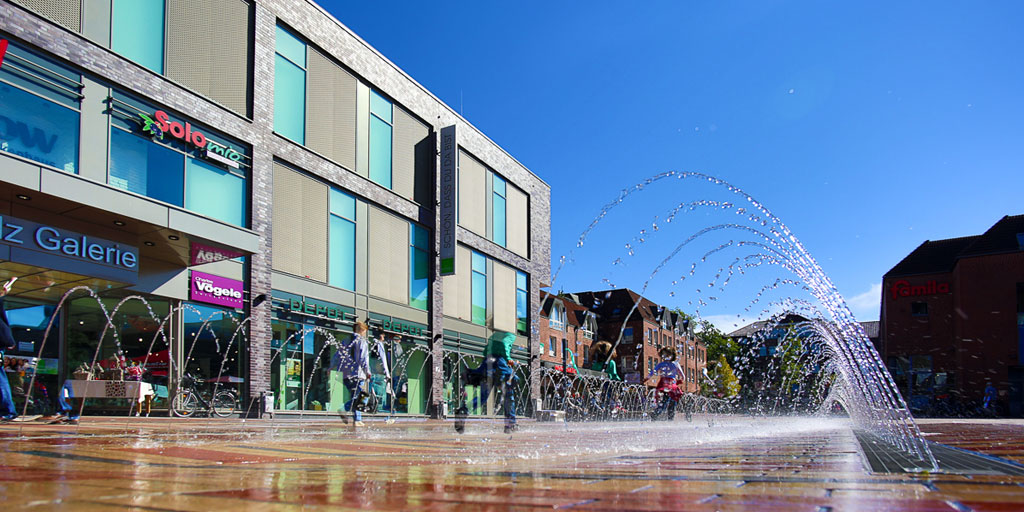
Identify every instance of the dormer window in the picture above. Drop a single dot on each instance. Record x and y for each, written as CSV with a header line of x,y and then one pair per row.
x,y
557,320
589,327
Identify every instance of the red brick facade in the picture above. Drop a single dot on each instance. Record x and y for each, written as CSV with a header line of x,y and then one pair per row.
x,y
648,329
958,303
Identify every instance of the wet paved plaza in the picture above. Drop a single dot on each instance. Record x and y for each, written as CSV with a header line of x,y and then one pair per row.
x,y
710,464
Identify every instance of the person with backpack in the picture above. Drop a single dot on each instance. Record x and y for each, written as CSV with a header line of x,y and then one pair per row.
x,y
496,370
7,342
353,360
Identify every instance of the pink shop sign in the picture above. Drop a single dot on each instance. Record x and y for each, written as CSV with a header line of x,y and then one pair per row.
x,y
205,254
216,290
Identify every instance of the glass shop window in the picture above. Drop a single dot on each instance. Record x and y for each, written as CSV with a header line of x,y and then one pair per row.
x,y
167,158
40,108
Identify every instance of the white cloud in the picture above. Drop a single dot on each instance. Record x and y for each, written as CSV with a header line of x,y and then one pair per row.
x,y
866,306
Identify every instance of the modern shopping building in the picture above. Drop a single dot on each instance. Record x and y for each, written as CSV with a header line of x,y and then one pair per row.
x,y
262,178
952,317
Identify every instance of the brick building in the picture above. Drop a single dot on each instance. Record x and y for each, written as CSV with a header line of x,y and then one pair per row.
x,y
262,149
952,317
567,330
649,328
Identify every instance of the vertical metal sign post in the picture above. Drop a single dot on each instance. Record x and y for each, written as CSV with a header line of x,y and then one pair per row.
x,y
449,198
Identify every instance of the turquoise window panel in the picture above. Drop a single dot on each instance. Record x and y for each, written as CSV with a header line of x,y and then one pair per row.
x,y
290,47
420,238
137,32
498,218
479,263
522,303
521,318
479,309
215,192
499,185
479,289
380,152
343,205
419,271
37,129
289,100
419,282
138,165
380,107
341,253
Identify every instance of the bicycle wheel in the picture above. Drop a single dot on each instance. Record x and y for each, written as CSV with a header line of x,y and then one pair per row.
x,y
224,403
184,403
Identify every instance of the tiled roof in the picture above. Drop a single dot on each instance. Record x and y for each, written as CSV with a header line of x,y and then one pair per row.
x,y
573,310
605,302
751,329
937,256
748,330
931,257
1002,237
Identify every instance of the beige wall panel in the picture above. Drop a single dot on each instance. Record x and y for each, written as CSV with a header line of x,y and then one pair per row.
x,y
504,298
209,48
287,232
331,110
314,229
472,198
517,219
464,273
450,289
409,133
389,256
67,13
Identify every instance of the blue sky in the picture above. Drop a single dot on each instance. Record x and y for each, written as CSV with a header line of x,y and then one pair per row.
x,y
867,127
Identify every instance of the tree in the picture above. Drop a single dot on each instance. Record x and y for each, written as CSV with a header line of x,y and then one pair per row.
x,y
792,364
717,343
725,385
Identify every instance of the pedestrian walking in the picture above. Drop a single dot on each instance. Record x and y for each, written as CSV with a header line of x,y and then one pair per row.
x,y
496,370
990,396
353,360
7,342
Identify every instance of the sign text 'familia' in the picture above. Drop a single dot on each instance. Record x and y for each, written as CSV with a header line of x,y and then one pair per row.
x,y
903,288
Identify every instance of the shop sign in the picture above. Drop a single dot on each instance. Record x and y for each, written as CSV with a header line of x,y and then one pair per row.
x,y
903,288
160,124
449,198
48,245
3,50
328,311
202,253
216,290
400,327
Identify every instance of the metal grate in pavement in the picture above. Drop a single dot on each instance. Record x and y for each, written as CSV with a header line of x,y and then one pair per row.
x,y
885,458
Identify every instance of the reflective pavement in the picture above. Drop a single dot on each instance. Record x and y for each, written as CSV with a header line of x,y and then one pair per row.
x,y
720,463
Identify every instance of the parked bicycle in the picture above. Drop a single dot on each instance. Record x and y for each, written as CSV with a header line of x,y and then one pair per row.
x,y
190,398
